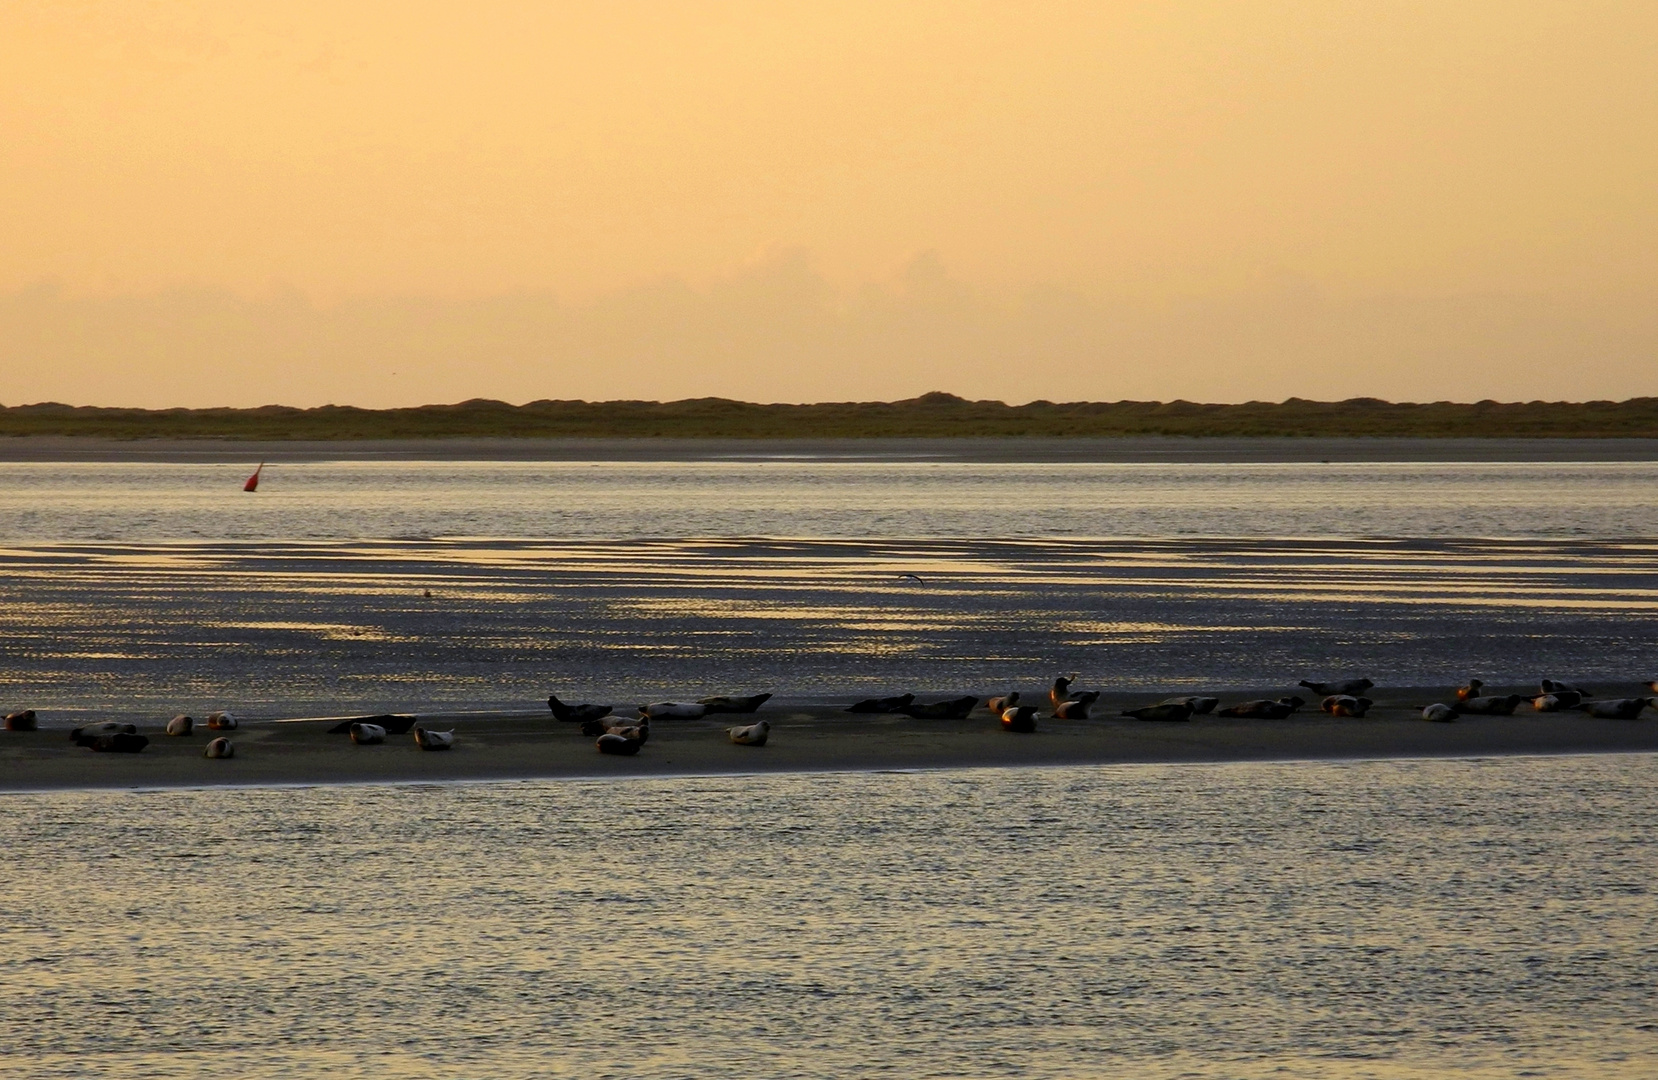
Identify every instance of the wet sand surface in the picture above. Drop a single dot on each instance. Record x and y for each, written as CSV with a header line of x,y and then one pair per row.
x,y
805,739
1129,449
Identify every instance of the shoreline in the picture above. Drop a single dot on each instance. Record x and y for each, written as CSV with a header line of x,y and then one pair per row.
x,y
500,748
1263,449
580,778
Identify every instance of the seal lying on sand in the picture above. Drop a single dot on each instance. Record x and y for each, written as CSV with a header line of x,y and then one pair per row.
x,y
1261,709
221,721
181,725
1616,708
1350,687
1346,705
119,743
1550,686
618,744
881,704
1001,704
434,740
1490,705
1566,699
953,709
219,748
752,735
22,721
1472,690
576,714
368,734
674,710
1020,718
108,727
723,704
1076,707
1440,714
1201,706
394,723
1164,711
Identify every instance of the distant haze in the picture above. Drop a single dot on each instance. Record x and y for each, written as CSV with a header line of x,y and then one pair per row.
x,y
394,203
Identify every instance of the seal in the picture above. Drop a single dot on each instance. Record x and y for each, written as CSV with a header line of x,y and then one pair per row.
x,y
181,725
674,710
23,720
368,734
219,748
618,744
1163,711
752,735
1439,714
952,709
576,714
434,740
1020,718
1076,708
881,704
1350,687
724,704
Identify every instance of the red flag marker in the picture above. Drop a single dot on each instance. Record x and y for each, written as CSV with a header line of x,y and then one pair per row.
x,y
253,481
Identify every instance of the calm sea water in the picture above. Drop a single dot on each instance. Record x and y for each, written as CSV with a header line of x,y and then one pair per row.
x,y
381,500
1414,918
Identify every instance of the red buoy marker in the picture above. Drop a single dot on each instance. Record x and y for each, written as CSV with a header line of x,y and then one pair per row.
x,y
253,481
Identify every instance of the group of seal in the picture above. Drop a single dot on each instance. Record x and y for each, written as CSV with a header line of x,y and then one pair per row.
x,y
110,737
625,738
1552,696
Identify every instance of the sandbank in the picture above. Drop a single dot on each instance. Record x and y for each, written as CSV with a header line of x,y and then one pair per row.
x,y
805,738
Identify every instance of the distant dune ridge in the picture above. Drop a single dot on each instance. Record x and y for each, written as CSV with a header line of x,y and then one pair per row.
x,y
933,415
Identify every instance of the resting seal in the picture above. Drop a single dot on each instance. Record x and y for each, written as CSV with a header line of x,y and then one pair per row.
x,y
22,721
724,704
1261,709
881,704
674,710
1440,714
1020,718
1176,711
368,734
752,735
181,725
1490,705
119,743
618,744
1346,705
1616,708
219,748
1201,706
953,709
434,740
221,721
1350,687
576,714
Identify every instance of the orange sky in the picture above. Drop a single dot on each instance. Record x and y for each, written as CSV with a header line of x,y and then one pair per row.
x,y
389,203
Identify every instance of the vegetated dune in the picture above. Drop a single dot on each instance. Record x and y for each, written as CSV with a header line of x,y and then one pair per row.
x,y
935,415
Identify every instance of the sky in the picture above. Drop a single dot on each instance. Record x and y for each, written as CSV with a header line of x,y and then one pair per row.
x,y
397,203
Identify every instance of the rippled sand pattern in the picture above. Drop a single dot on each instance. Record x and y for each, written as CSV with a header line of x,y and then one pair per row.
x,y
1485,918
281,628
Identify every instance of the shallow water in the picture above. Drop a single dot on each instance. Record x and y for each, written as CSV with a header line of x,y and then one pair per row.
x,y
143,630
1482,918
623,500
